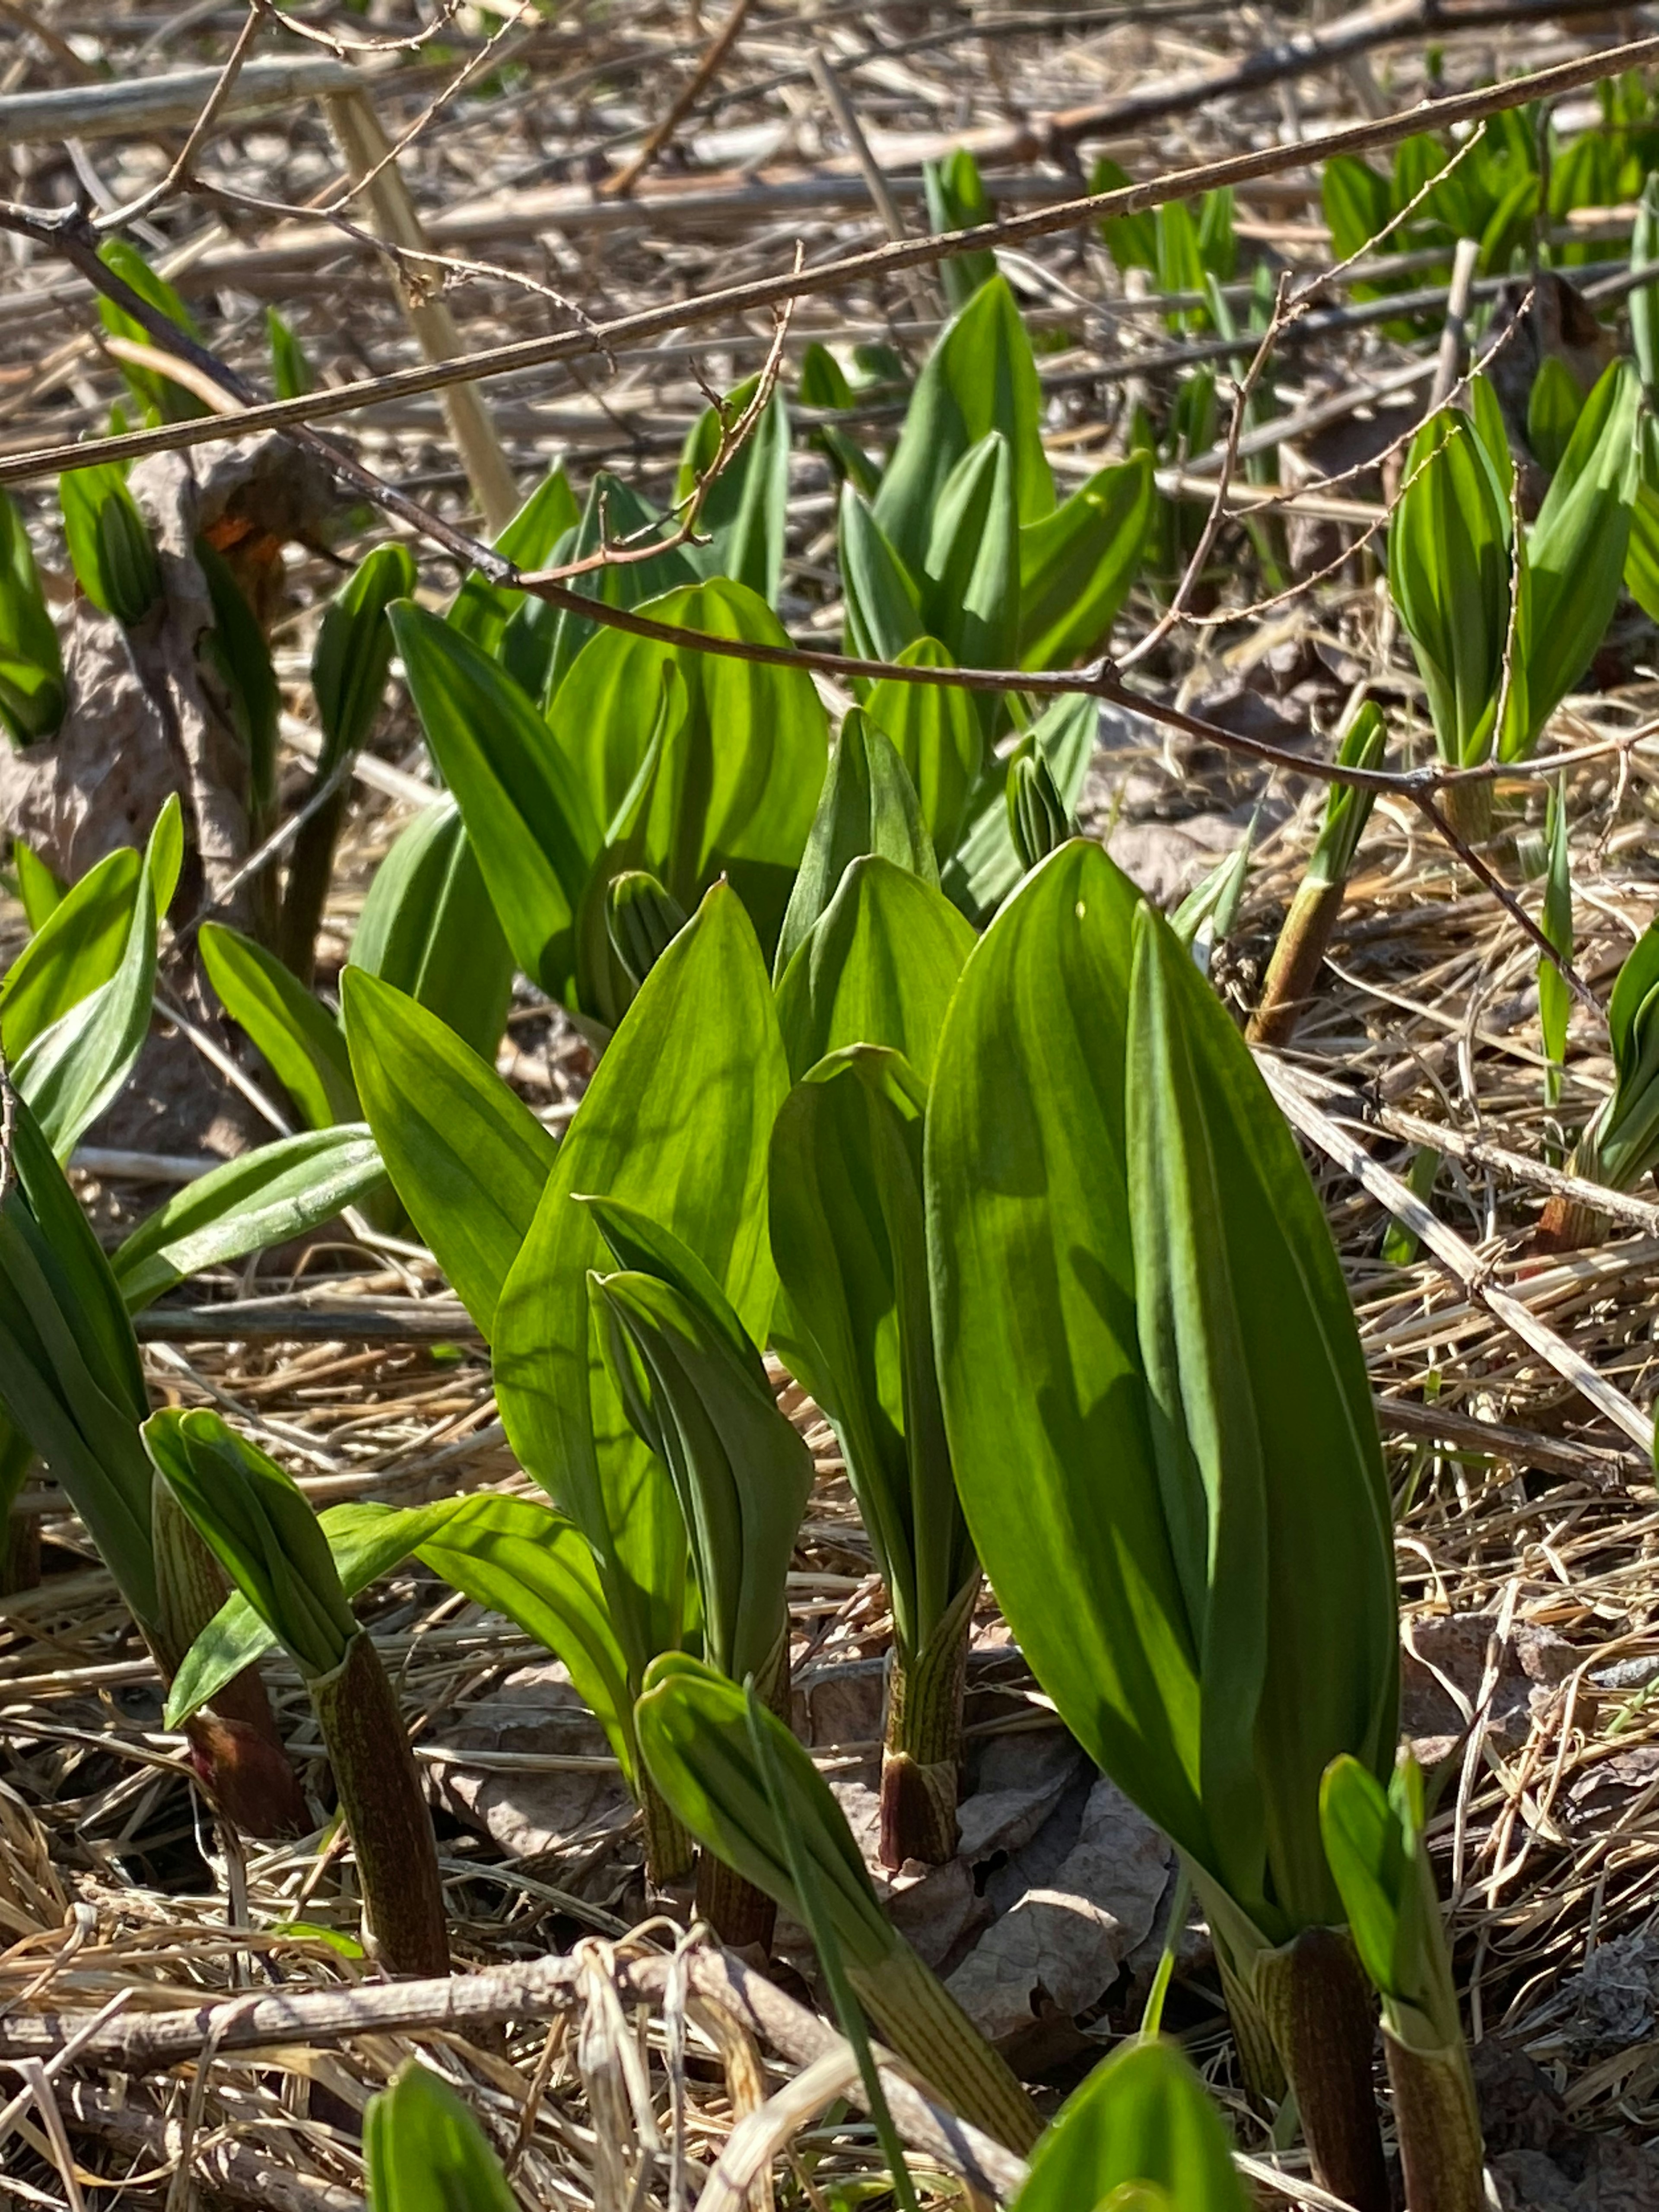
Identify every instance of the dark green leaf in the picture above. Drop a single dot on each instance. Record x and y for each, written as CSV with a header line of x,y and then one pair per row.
x,y
1076,565
868,806
293,1029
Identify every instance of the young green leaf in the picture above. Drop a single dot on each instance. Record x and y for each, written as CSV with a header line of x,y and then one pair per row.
x,y
109,546
868,805
1076,565
957,200
693,1386
824,388
481,610
1644,300
532,822
883,599
980,377
675,1122
465,1155
429,927
166,401
75,950
1038,817
1553,411
969,581
239,650
878,968
292,1027
354,650
266,1196
31,693
1554,1000
755,743
71,1070
937,732
986,864
1131,240
290,371
745,508
695,1736
615,516
38,887
426,2152
1143,2119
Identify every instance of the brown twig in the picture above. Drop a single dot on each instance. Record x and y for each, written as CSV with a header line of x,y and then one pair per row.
x,y
619,186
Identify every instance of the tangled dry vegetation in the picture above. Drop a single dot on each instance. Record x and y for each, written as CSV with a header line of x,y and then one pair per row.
x,y
588,174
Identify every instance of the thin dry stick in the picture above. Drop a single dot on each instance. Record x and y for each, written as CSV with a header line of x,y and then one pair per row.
x,y
51,227
622,183
1465,256
840,106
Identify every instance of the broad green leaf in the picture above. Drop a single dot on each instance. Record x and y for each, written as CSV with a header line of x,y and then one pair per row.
x,y
426,2152
1076,565
266,1196
1142,2119
723,1762
168,401
980,377
868,805
1379,1860
73,1070
694,1389
936,733
985,866
429,927
69,1375
617,518
292,1027
75,950
756,741
253,1518
521,795
38,887
823,386
481,611
878,968
957,200
1577,548
353,650
744,510
884,602
109,546
971,570
32,694
675,1122
465,1155
849,1239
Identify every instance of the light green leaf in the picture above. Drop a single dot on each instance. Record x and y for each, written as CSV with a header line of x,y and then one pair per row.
x,y
980,377
1552,410
868,805
676,1123
971,570
937,734
266,1196
465,1155
1142,2120
292,1027
109,546
70,1072
878,968
1076,565
986,866
426,2152
353,650
481,610
521,795
957,200
75,950
744,512
884,601
32,694
616,516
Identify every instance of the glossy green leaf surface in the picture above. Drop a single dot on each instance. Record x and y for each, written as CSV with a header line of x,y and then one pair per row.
x,y
265,1196
265,1536
426,2152
466,1154
868,805
1076,564
291,1026
756,741
526,809
109,546
1143,2119
878,968
71,1070
980,377
77,947
675,1122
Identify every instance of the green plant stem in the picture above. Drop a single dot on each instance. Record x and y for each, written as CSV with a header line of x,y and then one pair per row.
x,y
1258,2056
385,1813
924,2023
310,870
1438,2125
1323,2018
921,1756
1298,954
